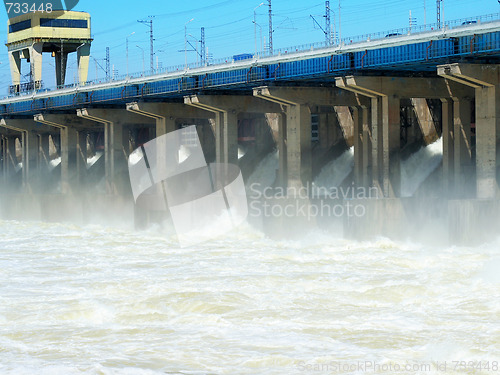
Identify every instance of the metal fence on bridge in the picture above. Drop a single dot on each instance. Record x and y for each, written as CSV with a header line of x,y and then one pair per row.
x,y
417,56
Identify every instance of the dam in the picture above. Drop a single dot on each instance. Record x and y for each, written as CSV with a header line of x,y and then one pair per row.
x,y
368,169
383,97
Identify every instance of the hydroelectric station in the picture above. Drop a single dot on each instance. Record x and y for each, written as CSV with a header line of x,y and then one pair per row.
x,y
387,97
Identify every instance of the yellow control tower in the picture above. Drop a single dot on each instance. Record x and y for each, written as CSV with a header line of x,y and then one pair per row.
x,y
58,32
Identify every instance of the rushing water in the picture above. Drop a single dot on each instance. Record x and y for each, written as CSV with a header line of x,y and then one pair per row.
x,y
97,300
419,166
100,300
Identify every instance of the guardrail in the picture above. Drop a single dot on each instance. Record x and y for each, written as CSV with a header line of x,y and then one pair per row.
x,y
449,25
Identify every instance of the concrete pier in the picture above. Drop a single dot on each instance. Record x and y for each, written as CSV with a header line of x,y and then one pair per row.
x,y
386,119
484,79
296,103
117,147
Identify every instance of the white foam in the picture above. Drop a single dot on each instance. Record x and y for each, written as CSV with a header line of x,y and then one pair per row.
x,y
419,166
335,172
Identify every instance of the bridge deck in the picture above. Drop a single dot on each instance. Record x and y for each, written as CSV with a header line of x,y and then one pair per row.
x,y
418,53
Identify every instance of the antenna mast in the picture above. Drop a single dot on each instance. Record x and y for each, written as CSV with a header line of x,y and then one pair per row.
x,y
438,3
328,26
203,47
108,64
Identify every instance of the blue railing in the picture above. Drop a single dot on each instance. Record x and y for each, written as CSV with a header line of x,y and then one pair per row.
x,y
448,25
416,56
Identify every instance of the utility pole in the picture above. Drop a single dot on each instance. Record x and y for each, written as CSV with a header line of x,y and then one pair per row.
x,y
270,43
340,27
203,47
438,3
108,63
62,66
185,42
127,49
255,27
425,13
328,25
151,37
413,21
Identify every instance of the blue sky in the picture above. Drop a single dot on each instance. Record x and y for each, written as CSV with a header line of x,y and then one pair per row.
x,y
229,27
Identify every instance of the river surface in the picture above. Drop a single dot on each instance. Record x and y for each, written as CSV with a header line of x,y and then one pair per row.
x,y
97,300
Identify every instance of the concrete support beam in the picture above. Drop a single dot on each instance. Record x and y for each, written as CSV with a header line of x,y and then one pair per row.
x,y
358,145
391,138
83,56
487,137
310,96
166,114
376,143
296,103
362,150
463,163
331,132
226,132
346,122
299,157
35,52
15,66
61,63
425,120
44,152
9,158
30,149
226,110
73,148
404,87
386,128
448,145
485,80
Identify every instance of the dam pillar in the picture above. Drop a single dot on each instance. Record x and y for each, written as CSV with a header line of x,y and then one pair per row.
x,y
448,146
391,138
10,161
226,126
385,94
30,149
423,114
73,135
346,122
485,80
116,144
44,152
299,157
227,110
362,149
331,131
385,132
166,116
463,168
9,158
